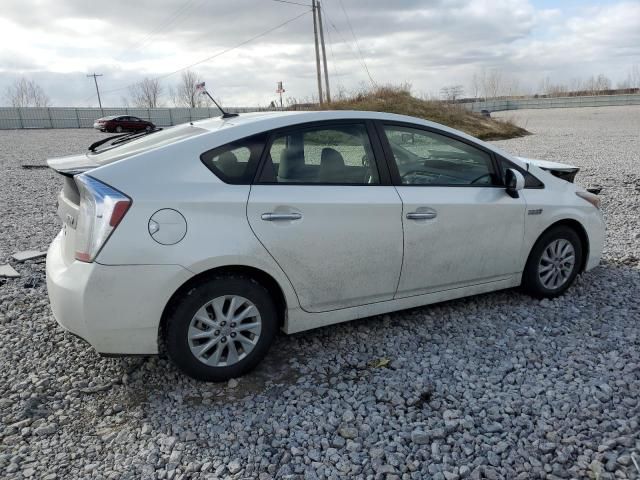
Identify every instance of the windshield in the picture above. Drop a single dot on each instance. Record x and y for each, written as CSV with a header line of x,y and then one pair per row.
x,y
144,143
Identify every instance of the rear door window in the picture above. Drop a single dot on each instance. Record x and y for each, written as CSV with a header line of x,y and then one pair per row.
x,y
332,154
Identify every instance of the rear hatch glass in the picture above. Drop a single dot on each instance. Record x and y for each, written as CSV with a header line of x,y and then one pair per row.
x,y
110,154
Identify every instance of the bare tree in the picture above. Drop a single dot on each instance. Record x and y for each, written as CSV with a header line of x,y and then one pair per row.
x,y
551,89
186,94
27,93
634,76
597,85
491,83
452,93
146,94
575,85
512,87
475,85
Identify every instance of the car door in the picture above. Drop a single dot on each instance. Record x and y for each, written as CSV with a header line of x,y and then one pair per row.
x,y
133,124
460,226
123,122
328,215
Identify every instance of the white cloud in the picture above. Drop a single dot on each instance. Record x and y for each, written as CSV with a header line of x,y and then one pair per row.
x,y
428,43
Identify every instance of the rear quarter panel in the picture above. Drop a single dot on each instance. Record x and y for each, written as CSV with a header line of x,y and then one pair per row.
x,y
218,233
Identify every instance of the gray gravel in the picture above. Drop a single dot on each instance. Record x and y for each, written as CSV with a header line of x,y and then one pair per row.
x,y
496,386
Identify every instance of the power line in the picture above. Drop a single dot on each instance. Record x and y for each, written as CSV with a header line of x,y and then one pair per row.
x,y
333,57
293,3
357,44
220,53
178,15
358,58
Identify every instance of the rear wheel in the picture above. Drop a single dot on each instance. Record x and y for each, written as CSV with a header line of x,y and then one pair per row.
x,y
554,263
222,328
119,129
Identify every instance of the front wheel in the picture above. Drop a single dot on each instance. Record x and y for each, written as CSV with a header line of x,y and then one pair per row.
x,y
119,129
554,263
222,328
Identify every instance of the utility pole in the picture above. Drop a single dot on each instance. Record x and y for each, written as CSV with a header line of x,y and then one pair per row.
x,y
315,38
324,53
95,79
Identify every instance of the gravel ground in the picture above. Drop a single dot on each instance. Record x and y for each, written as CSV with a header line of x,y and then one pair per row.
x,y
495,386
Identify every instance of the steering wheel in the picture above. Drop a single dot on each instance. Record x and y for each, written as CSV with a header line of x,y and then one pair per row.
x,y
480,178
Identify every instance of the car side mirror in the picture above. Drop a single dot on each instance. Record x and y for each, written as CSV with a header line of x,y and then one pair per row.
x,y
514,182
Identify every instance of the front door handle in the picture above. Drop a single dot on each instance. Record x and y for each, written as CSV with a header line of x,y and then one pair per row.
x,y
279,217
421,215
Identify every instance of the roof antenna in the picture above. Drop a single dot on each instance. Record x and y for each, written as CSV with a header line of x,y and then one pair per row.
x,y
201,89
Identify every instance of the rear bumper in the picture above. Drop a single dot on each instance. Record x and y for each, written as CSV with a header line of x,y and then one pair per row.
x,y
596,232
117,309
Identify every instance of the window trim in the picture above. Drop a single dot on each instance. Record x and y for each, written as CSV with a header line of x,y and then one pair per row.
x,y
509,164
393,167
384,177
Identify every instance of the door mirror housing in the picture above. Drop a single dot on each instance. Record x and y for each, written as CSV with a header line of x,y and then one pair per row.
x,y
514,182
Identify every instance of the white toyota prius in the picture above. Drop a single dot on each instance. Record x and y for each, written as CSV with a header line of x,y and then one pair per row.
x,y
206,238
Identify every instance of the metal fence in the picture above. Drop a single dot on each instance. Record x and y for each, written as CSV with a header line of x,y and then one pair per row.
x,y
557,102
63,117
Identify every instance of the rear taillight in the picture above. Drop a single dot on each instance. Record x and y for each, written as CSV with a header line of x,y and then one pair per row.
x,y
102,208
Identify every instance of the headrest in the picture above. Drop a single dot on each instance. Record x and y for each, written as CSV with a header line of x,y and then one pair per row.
x,y
331,166
227,159
331,158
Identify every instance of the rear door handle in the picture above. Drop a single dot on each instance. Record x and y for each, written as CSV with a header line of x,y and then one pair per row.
x,y
279,217
421,215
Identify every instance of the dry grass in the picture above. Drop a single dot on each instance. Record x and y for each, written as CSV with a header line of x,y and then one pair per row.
x,y
399,100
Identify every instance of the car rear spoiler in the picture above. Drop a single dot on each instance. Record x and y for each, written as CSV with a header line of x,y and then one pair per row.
x,y
71,165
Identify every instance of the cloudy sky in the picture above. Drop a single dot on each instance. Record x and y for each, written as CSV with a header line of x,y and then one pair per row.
x,y
427,43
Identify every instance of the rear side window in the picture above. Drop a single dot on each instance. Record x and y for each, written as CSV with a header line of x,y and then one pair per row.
x,y
236,162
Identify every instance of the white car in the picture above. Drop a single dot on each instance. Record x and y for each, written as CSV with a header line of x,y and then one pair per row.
x,y
206,238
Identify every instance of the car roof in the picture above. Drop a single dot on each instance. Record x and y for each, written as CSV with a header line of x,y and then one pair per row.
x,y
295,117
263,121
256,122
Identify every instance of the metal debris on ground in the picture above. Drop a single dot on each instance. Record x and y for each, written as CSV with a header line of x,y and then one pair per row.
x,y
8,271
380,363
28,255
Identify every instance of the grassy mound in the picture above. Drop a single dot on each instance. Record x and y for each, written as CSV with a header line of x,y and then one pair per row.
x,y
399,100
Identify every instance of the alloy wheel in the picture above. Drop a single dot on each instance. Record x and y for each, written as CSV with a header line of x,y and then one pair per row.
x,y
224,330
556,264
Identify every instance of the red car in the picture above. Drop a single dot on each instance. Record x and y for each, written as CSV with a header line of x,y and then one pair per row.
x,y
122,123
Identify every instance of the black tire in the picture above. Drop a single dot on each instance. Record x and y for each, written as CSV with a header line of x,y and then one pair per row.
x,y
531,282
179,318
